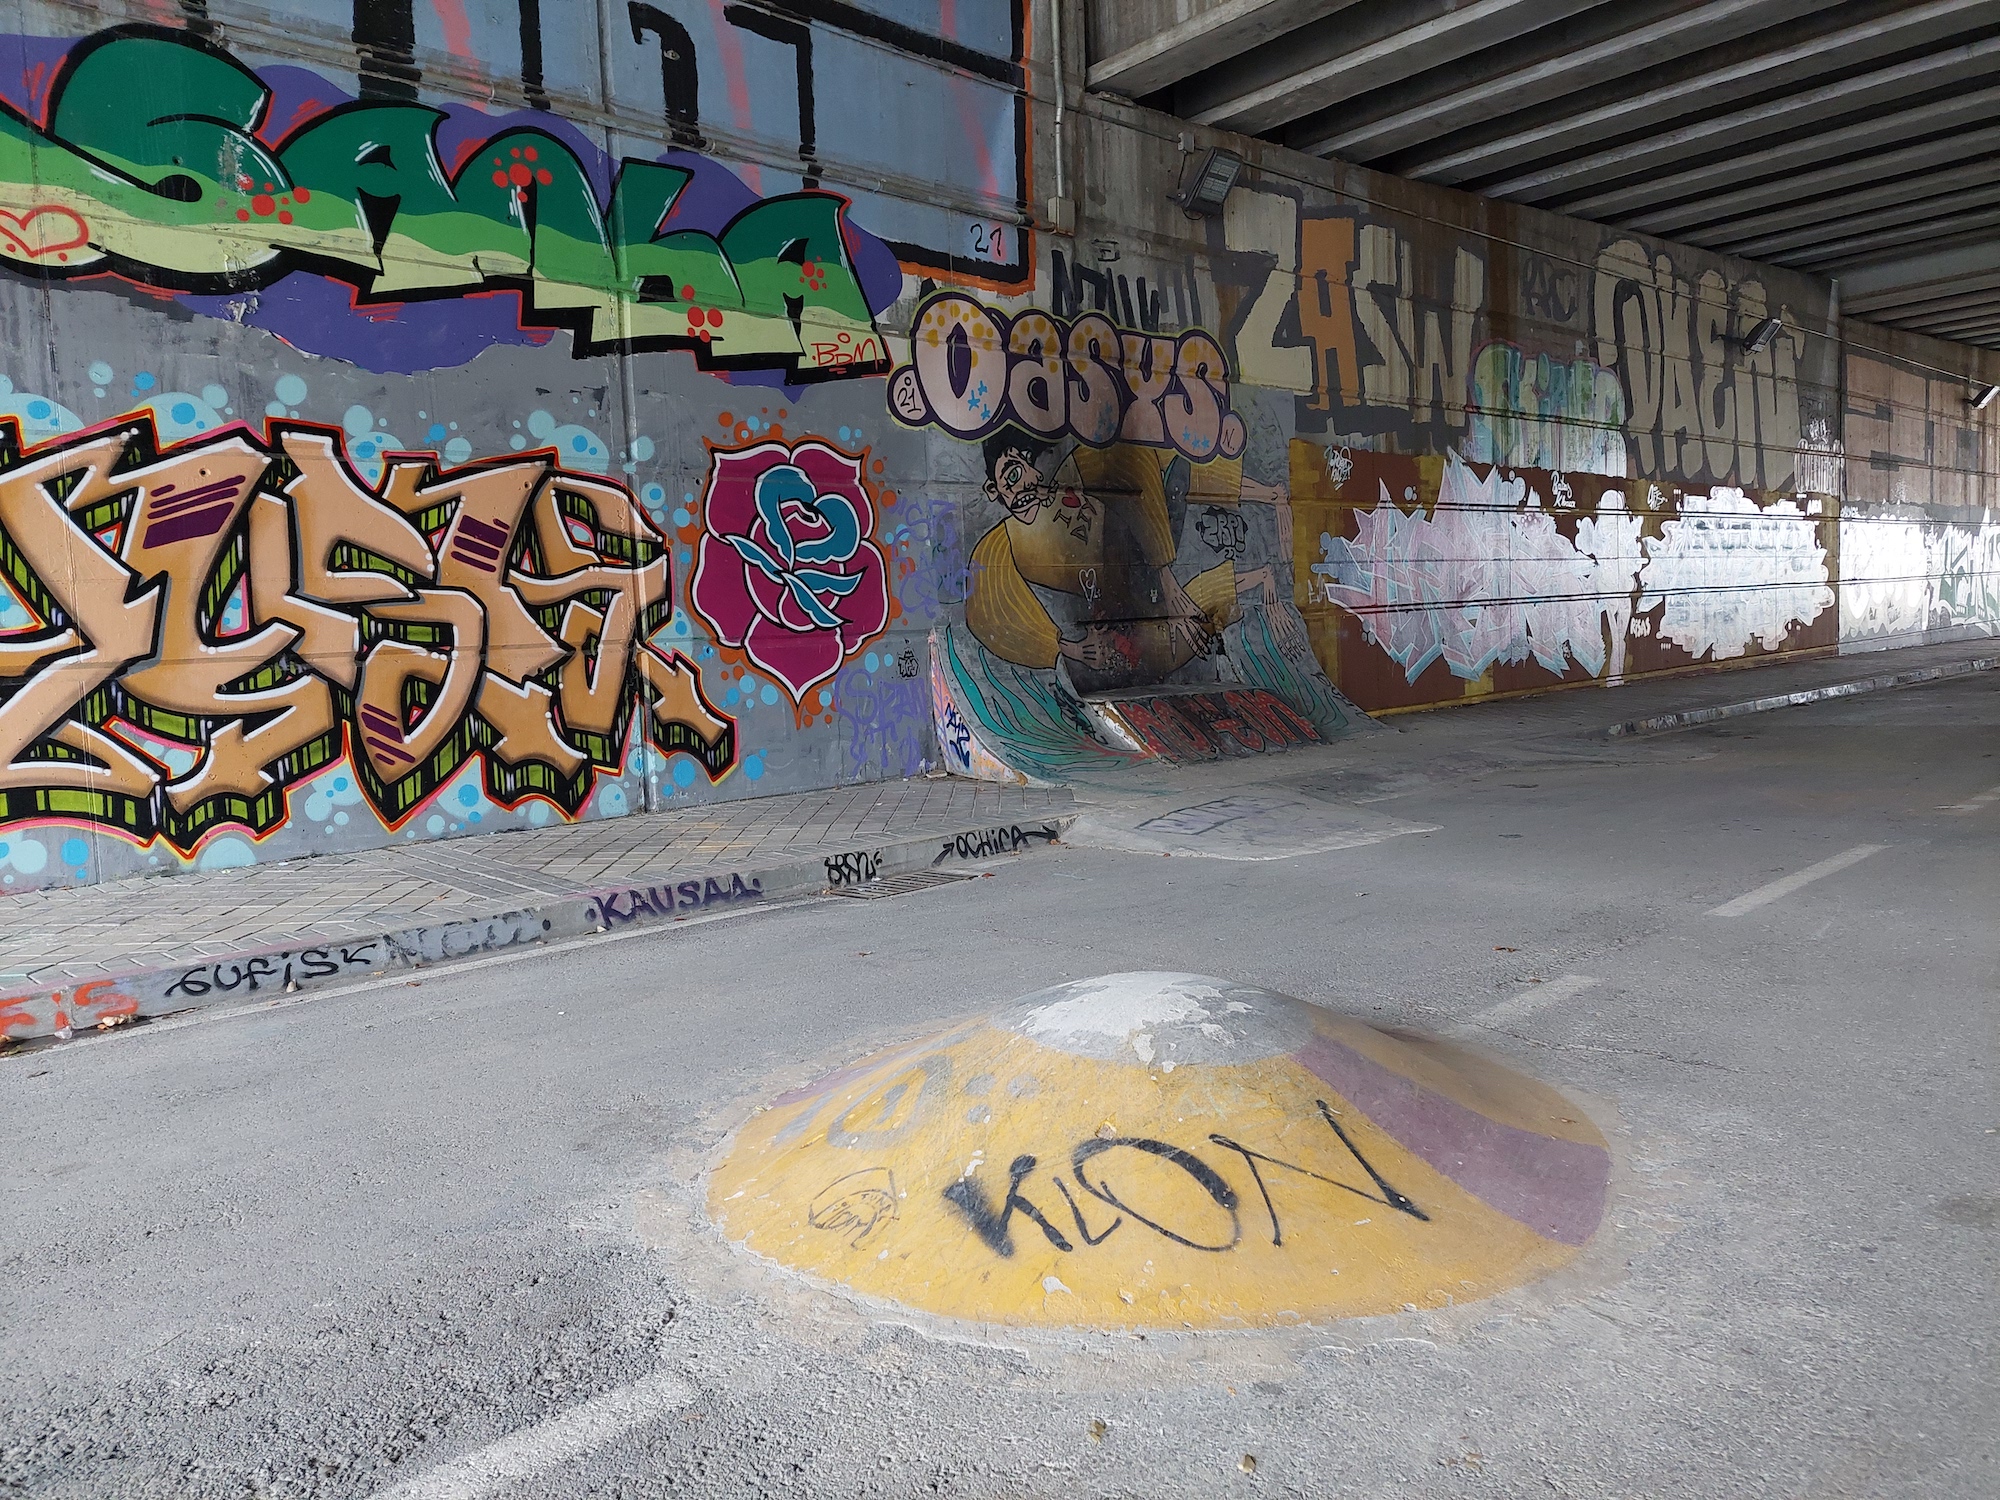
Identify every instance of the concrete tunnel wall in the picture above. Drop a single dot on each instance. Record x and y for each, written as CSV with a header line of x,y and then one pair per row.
x,y
459,417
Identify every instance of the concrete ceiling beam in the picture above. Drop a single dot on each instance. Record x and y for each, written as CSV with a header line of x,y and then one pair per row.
x,y
1974,316
1784,57
1681,216
1210,36
1935,118
1338,59
1938,269
1917,304
1832,255
1983,338
1662,150
1756,234
1609,42
1982,324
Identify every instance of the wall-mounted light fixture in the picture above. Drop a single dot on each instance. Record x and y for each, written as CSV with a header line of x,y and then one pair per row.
x,y
1763,336
1984,399
1202,198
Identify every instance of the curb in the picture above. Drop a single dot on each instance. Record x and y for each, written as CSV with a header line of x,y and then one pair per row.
x,y
1687,718
167,989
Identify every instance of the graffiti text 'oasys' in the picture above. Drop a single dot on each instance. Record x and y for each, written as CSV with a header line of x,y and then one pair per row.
x,y
973,370
186,194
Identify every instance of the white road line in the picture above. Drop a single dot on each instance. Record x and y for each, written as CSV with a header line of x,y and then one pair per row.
x,y
1784,886
1974,804
1531,999
559,1439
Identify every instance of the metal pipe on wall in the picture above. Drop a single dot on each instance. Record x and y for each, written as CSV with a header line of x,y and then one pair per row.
x,y
1062,216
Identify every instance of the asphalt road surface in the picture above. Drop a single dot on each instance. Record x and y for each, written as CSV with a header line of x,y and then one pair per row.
x,y
443,1239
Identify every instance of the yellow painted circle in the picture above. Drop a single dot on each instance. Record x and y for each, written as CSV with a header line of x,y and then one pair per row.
x,y
1167,1150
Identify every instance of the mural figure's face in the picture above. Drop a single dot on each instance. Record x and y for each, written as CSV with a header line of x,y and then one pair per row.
x,y
1017,484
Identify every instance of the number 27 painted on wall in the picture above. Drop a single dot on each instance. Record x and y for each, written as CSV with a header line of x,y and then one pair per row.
x,y
988,241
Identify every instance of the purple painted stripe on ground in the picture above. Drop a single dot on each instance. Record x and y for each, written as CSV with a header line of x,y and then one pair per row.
x,y
1555,1187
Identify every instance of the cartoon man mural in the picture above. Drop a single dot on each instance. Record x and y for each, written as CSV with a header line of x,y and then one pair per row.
x,y
1084,568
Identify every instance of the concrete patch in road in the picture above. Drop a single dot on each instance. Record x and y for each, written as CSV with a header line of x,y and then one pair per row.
x,y
1256,822
1167,1150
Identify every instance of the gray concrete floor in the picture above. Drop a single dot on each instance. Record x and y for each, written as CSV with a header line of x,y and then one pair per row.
x,y
338,1247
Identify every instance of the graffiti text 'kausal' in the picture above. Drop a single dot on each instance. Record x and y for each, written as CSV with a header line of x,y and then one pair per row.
x,y
973,370
190,197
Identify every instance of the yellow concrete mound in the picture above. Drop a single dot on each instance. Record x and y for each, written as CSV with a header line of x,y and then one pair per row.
x,y
1167,1149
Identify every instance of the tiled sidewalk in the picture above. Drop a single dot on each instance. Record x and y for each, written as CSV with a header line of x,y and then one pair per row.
x,y
51,938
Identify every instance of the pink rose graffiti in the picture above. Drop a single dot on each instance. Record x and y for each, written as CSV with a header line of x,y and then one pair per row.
x,y
785,570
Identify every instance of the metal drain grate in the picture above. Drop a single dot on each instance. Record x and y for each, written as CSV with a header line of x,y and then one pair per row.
x,y
899,885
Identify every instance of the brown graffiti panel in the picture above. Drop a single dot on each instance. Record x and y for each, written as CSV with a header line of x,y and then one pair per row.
x,y
1434,580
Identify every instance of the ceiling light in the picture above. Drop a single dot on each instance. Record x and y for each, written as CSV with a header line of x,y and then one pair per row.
x,y
1202,199
1985,398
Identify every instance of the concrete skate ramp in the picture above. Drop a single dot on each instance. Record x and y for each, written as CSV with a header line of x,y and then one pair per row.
x,y
1219,723
1167,1149
1002,722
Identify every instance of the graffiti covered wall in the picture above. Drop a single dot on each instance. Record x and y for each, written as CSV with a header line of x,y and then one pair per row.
x,y
1518,468
1920,527
430,419
442,419
213,621
1528,452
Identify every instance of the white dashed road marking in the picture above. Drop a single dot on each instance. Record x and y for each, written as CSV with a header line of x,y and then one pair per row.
x,y
1533,998
566,1436
1974,804
1764,895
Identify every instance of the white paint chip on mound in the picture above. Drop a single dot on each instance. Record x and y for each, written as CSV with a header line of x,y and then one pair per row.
x,y
1120,1005
1161,1018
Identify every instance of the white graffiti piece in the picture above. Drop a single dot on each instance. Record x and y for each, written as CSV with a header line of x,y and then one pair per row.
x,y
1820,463
1732,572
1487,578
1968,575
1902,574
